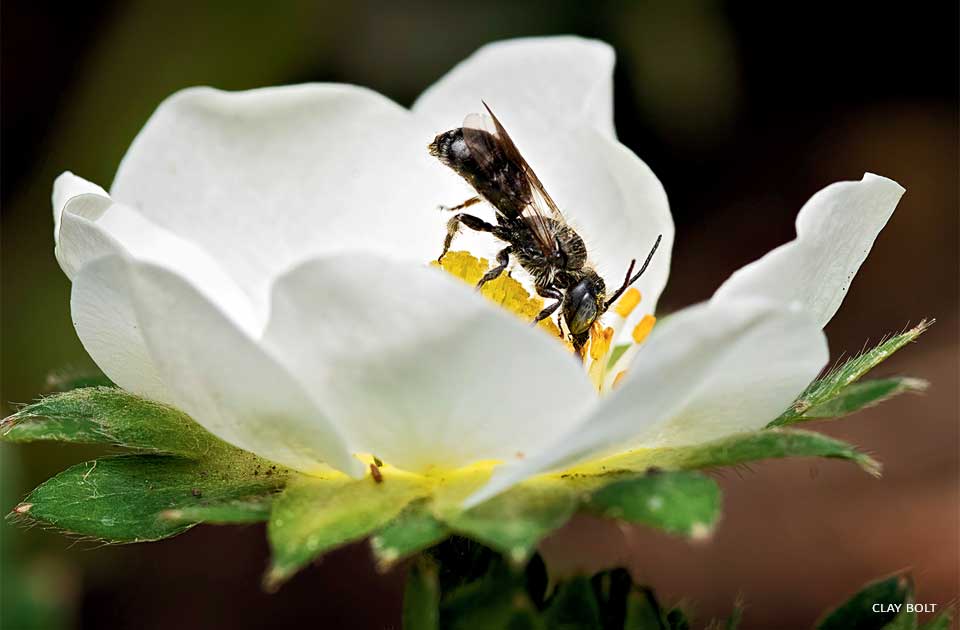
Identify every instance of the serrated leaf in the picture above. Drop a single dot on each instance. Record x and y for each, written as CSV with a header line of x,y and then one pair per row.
x,y
864,394
122,498
574,607
421,597
514,521
106,415
730,451
835,382
858,612
413,530
684,503
314,515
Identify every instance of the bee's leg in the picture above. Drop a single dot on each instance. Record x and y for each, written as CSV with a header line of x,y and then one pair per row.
x,y
548,292
503,258
466,204
453,226
579,341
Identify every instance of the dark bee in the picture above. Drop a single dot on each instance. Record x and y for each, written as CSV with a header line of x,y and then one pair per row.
x,y
529,222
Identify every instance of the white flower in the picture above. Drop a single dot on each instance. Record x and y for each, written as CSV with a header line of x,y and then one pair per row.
x,y
261,262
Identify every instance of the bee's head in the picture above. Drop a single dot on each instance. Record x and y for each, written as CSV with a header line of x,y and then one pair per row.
x,y
583,303
449,147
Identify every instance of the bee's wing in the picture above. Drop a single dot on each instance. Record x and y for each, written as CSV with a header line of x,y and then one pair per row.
x,y
489,142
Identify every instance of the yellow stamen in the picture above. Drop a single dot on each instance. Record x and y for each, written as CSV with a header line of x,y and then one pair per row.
x,y
599,346
505,291
618,378
600,343
643,329
628,302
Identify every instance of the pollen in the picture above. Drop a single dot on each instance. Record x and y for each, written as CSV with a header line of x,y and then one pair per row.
x,y
643,329
628,302
504,291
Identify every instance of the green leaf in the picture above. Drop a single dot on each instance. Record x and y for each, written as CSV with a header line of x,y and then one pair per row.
x,y
413,530
251,509
123,498
106,415
839,379
857,612
515,521
574,607
940,622
314,515
736,449
644,612
683,503
421,597
496,600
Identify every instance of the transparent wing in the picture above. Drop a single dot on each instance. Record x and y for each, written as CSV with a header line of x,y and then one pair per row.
x,y
490,143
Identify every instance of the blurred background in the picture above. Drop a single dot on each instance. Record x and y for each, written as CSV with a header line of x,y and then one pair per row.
x,y
743,110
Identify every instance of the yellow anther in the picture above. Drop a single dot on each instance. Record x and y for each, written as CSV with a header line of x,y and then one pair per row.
x,y
618,378
600,343
505,291
628,302
643,329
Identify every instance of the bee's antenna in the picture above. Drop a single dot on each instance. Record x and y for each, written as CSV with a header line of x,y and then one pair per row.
x,y
628,280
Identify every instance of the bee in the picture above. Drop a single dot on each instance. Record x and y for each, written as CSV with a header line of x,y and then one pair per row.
x,y
529,222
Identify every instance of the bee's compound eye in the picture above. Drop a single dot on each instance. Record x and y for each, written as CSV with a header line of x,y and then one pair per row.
x,y
580,308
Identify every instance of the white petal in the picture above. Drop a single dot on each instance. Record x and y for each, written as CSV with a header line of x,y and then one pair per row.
x,y
106,324
210,368
267,178
418,368
556,79
835,231
66,187
90,226
705,372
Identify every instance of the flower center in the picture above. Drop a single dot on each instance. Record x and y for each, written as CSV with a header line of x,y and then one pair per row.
x,y
603,360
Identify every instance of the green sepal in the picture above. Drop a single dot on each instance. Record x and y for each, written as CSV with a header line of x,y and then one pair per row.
x,y
839,383
412,531
685,503
515,521
742,448
107,415
858,612
315,514
124,498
